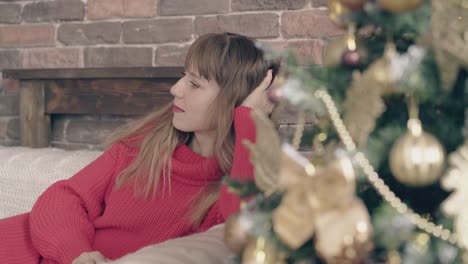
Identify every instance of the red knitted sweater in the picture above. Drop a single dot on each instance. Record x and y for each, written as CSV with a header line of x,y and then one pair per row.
x,y
85,213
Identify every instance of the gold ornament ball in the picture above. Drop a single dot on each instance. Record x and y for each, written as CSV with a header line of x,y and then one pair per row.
x,y
417,160
260,251
400,6
380,70
235,236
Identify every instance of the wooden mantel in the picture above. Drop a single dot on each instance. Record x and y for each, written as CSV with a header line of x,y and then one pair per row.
x,y
99,91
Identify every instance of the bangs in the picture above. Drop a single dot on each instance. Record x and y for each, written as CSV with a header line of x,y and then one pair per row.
x,y
205,55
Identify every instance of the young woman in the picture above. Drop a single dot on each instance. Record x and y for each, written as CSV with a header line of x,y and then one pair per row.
x,y
160,177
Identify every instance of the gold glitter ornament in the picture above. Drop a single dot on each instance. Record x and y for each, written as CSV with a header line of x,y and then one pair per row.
x,y
266,163
363,105
449,28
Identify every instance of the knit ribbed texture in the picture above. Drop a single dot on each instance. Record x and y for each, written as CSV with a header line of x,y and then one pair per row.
x,y
85,212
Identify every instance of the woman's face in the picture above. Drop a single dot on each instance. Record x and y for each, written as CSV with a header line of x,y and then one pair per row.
x,y
193,97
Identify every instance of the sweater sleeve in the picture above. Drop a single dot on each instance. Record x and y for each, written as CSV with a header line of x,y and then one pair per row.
x,y
242,169
61,219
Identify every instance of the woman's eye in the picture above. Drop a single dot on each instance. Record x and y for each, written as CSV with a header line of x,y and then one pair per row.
x,y
194,85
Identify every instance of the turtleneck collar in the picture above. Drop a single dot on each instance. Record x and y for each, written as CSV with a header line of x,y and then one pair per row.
x,y
193,168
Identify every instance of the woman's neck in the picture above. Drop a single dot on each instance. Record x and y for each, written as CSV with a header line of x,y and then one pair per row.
x,y
202,143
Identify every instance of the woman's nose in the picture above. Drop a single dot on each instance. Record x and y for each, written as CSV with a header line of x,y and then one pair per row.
x,y
177,89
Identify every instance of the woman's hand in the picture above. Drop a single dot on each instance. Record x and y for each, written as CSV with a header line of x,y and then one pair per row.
x,y
94,257
258,99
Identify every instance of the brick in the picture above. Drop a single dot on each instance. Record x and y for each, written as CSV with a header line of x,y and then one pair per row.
x,y
27,35
10,13
105,9
262,25
184,7
244,5
9,131
308,51
157,31
308,23
58,10
13,129
170,55
89,34
118,57
9,86
10,59
319,3
139,8
91,131
52,58
273,45
9,105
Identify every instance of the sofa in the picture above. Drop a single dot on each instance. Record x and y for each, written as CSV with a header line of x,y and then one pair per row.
x,y
26,172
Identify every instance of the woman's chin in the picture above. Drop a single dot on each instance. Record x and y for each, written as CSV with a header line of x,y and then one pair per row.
x,y
181,127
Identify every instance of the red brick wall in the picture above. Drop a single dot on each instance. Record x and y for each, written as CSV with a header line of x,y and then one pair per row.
x,y
106,33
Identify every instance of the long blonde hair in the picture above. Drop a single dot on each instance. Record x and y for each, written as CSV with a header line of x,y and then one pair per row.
x,y
237,66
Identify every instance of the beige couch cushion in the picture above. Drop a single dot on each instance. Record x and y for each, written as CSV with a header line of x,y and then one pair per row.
x,y
25,173
206,247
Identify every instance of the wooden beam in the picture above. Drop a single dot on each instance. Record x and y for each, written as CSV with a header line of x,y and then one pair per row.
x,y
34,123
126,97
94,73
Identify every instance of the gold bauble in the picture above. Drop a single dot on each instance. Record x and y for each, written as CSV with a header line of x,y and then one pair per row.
x,y
338,13
260,251
400,6
235,235
333,51
379,70
417,158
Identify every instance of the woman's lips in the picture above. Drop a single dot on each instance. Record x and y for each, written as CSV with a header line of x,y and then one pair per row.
x,y
177,109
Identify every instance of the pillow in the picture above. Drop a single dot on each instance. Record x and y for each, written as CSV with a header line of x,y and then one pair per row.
x,y
205,247
25,173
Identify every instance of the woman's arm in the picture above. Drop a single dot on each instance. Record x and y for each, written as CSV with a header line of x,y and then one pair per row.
x,y
244,128
61,220
242,169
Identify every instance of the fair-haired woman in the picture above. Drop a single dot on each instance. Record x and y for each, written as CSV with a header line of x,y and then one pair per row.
x,y
160,177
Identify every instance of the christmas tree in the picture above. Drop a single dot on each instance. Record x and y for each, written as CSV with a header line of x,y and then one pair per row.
x,y
387,176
